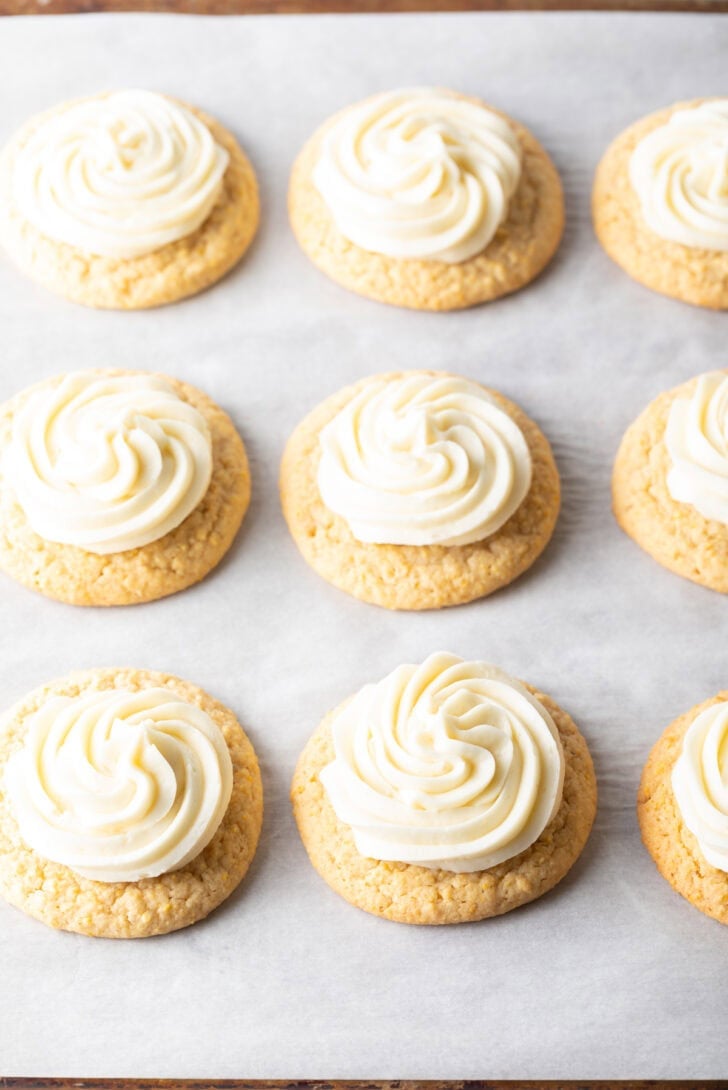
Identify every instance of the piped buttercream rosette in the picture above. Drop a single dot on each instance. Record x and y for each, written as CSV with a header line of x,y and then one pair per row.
x,y
680,174
108,462
120,786
422,459
420,173
449,765
119,175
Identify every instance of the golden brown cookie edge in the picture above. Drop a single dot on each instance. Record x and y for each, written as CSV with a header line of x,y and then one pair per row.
x,y
152,906
406,893
674,850
166,275
673,533
72,575
417,577
433,285
691,275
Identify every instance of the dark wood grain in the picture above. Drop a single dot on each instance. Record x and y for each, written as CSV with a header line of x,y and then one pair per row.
x,y
346,1084
258,7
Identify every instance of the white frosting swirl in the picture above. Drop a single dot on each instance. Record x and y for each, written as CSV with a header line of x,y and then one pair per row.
x,y
119,175
118,785
422,459
697,442
700,783
108,462
680,174
450,765
419,173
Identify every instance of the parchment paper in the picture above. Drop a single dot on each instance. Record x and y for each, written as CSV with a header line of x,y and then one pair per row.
x,y
612,975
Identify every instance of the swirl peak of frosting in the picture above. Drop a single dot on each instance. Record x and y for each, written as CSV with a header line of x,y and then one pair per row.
x,y
450,765
700,782
680,174
697,442
107,462
420,173
119,785
422,459
119,175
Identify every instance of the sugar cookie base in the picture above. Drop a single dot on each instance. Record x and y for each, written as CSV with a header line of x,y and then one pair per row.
x,y
63,899
673,847
682,272
177,270
674,533
412,894
180,558
413,576
521,248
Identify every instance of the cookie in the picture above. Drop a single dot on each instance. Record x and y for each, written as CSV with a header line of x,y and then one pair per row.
x,y
469,207
409,736
115,702
677,791
85,499
668,479
412,575
660,210
194,216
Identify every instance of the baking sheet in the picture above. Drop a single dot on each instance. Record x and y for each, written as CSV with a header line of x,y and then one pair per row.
x,y
612,975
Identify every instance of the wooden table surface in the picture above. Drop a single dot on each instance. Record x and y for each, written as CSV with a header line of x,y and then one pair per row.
x,y
28,1083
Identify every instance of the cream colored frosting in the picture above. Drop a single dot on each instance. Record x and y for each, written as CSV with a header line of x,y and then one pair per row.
x,y
700,783
419,173
108,462
119,175
120,786
680,174
697,442
423,460
449,765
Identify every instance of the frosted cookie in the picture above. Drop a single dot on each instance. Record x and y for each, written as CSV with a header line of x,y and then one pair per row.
x,y
660,201
117,487
445,793
126,200
130,803
419,489
683,806
425,198
670,481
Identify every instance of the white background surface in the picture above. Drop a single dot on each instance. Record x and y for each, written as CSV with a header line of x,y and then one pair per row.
x,y
612,975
